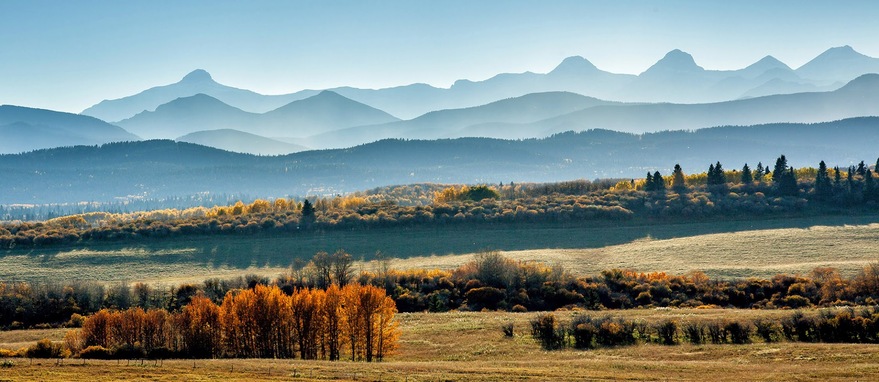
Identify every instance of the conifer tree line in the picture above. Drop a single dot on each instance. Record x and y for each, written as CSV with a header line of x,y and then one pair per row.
x,y
717,191
354,322
821,184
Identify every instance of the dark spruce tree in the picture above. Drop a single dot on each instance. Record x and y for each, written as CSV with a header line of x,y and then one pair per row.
x,y
658,182
747,177
823,188
648,184
784,179
870,193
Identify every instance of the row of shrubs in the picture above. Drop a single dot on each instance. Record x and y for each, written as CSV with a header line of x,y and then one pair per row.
x,y
843,325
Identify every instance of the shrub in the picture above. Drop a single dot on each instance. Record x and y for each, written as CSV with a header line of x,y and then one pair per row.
x,y
584,331
798,327
667,332
544,329
95,352
694,333
128,351
615,332
485,297
716,333
6,353
7,363
44,348
518,308
767,330
75,321
739,332
508,329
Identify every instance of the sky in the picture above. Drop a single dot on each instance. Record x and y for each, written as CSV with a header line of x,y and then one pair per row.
x,y
69,55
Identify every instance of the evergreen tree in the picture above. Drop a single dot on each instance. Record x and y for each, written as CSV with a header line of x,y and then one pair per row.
x,y
869,186
719,176
710,179
837,178
747,177
678,183
850,179
823,189
780,168
658,182
862,169
648,184
758,174
307,210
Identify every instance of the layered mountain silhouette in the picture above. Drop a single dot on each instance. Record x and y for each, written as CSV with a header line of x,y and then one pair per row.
x,y
241,142
197,82
675,78
161,168
320,113
860,97
26,129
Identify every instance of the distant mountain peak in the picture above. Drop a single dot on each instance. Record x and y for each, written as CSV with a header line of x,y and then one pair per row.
x,y
574,64
768,63
675,61
198,75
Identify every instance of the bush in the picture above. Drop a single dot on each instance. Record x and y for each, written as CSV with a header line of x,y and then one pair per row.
x,y
7,363
485,297
44,348
667,332
694,333
615,332
716,333
75,321
6,353
544,329
767,330
508,329
584,331
128,351
798,327
518,308
739,332
95,352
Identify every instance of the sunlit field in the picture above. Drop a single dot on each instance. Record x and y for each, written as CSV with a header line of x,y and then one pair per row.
x,y
468,346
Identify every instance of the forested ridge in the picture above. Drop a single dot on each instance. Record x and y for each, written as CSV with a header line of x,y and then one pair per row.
x,y
165,169
716,193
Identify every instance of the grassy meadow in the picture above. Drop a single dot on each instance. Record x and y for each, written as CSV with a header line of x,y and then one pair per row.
x,y
721,248
469,346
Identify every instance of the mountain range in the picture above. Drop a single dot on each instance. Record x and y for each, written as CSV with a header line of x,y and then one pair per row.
x,y
25,129
675,78
164,168
323,112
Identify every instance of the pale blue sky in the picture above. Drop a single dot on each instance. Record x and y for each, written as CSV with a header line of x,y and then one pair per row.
x,y
68,55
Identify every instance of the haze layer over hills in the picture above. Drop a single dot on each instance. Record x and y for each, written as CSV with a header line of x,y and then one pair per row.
x,y
576,121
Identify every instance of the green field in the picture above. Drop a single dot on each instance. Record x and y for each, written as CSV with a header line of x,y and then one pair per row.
x,y
469,346
721,248
737,248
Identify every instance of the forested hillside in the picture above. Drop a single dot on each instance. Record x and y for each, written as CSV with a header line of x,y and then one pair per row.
x,y
159,169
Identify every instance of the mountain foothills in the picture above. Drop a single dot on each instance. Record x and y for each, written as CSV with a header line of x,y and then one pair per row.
x,y
164,168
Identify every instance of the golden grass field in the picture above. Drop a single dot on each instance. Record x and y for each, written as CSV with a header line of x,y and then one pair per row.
x,y
738,248
469,346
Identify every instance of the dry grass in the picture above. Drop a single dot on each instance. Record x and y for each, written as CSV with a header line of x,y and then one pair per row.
x,y
470,347
757,253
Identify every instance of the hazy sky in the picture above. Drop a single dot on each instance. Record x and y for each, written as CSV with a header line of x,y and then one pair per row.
x,y
68,55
